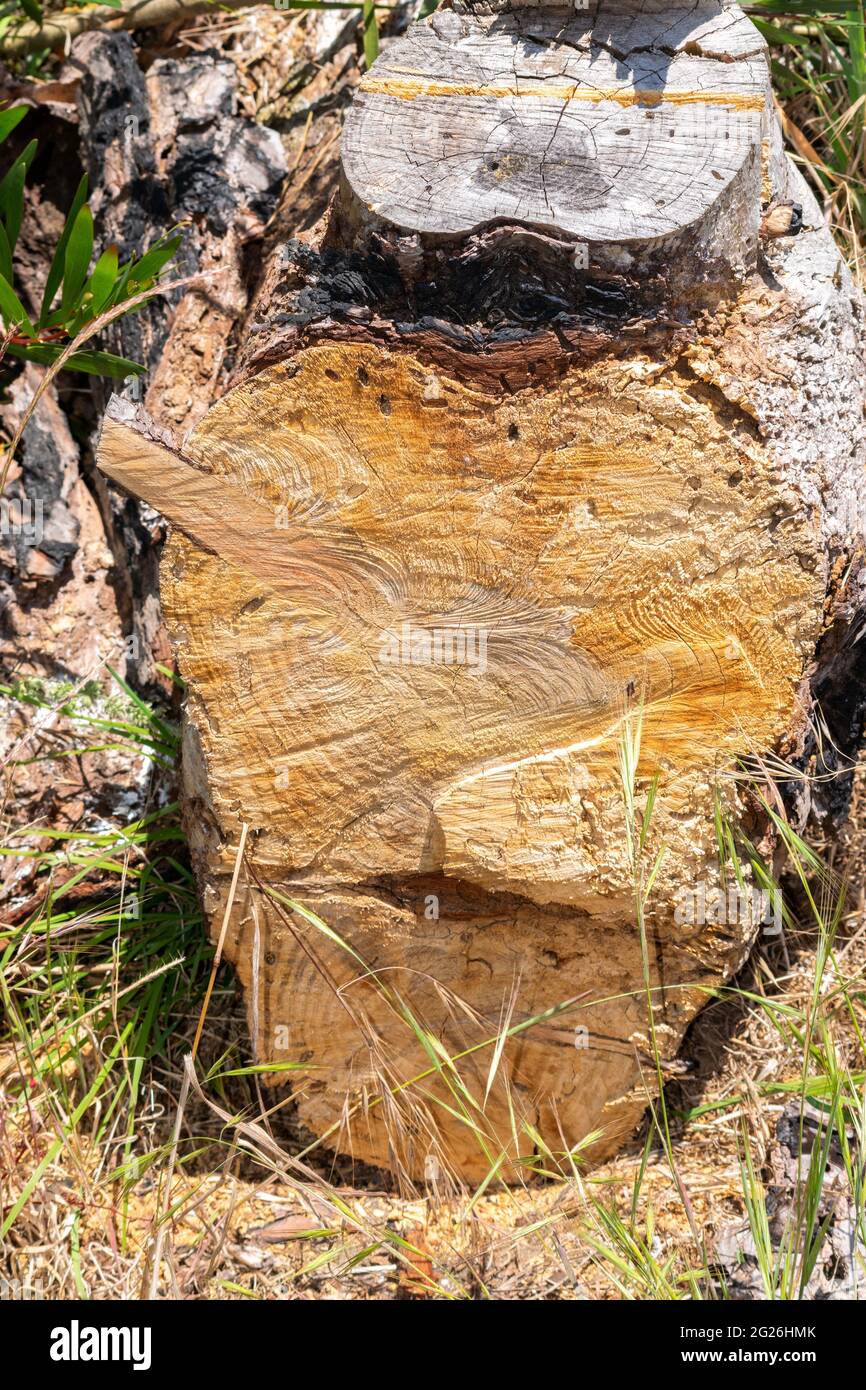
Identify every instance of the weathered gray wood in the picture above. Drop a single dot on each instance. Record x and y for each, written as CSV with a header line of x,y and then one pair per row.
x,y
609,127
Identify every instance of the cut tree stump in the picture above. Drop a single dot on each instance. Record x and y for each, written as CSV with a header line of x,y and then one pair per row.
x,y
548,438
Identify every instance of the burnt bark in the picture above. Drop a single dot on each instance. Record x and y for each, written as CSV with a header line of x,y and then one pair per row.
x,y
167,148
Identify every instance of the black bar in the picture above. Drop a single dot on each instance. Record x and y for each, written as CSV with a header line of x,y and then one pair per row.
x,y
222,1338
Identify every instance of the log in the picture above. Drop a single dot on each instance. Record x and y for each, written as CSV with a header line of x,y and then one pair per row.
x,y
556,431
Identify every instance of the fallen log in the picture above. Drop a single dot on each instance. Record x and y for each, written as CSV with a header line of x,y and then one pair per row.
x,y
556,433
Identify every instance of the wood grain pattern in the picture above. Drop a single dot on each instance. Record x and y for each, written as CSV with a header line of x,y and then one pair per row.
x,y
531,522
608,126
373,781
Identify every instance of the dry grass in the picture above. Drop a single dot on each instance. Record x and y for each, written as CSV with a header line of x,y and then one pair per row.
x,y
818,53
128,1169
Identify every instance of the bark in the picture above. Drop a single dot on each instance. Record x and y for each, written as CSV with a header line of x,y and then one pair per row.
x,y
473,503
79,586
167,148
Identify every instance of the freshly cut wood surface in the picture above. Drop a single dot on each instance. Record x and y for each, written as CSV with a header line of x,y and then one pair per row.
x,y
531,527
378,785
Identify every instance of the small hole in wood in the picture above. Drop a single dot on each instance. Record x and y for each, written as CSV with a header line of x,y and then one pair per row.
x,y
513,432
363,376
384,405
329,372
717,175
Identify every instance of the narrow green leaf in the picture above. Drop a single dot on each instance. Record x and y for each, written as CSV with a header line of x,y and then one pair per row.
x,y
371,33
12,310
12,201
776,33
55,273
95,363
139,274
16,175
100,285
9,119
5,255
79,249
104,364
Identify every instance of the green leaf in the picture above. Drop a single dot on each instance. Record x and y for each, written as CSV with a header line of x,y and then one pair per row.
x,y
12,310
33,10
802,9
9,119
104,364
79,249
25,158
5,255
140,273
55,274
102,281
95,363
776,33
12,198
371,33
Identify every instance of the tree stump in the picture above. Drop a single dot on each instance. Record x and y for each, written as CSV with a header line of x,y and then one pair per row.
x,y
558,429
